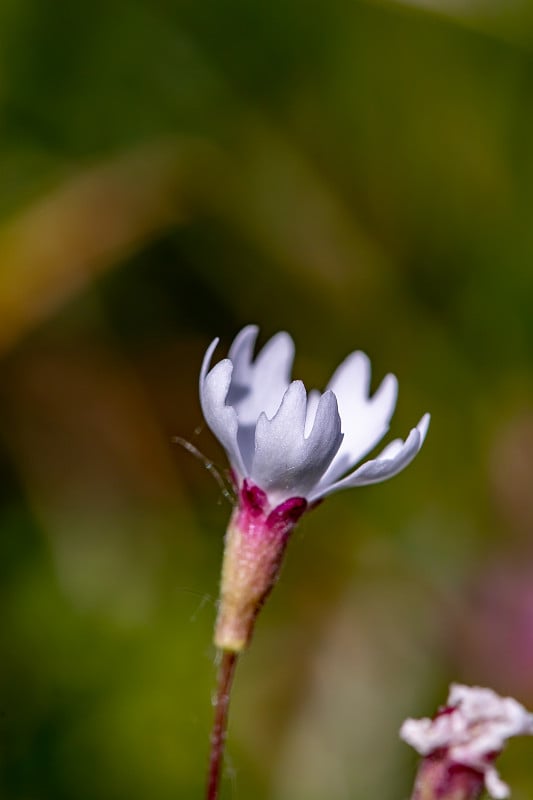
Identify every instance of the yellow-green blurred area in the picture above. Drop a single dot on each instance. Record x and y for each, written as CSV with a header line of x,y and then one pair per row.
x,y
361,175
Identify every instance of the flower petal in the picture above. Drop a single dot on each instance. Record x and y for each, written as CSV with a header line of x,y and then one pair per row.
x,y
313,399
324,440
221,418
286,463
365,419
258,386
241,354
391,460
494,785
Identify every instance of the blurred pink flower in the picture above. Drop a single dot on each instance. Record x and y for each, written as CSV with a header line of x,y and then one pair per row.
x,y
460,743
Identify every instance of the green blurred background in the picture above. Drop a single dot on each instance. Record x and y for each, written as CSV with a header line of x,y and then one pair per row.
x,y
360,174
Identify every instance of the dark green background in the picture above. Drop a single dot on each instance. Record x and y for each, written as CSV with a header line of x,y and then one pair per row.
x,y
361,175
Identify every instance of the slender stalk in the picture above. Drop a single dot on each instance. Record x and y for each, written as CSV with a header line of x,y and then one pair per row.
x,y
226,671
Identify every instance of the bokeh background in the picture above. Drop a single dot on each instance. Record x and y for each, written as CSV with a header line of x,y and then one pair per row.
x,y
360,174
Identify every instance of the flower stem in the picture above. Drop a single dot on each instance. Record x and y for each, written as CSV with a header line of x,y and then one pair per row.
x,y
226,671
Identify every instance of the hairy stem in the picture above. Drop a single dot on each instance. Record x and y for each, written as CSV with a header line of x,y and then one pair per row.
x,y
218,735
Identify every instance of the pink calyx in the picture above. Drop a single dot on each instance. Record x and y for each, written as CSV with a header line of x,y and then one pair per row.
x,y
254,546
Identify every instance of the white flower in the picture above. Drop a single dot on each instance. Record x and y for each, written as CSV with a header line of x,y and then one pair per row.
x,y
472,729
294,444
288,449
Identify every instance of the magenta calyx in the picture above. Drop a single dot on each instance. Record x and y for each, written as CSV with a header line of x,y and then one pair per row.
x,y
254,546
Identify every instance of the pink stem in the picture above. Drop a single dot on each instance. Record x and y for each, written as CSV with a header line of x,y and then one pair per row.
x,y
218,734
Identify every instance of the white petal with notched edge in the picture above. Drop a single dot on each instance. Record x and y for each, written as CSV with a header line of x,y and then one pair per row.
x,y
395,457
365,418
221,418
258,386
286,462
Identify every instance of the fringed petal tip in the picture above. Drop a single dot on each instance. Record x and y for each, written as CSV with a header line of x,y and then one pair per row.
x,y
287,462
221,418
206,362
393,459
